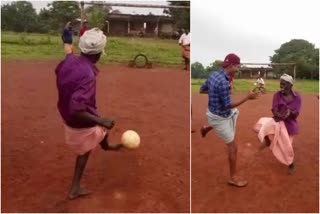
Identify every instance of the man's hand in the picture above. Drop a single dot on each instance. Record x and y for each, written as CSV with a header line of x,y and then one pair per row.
x,y
277,119
203,92
107,123
287,114
253,95
250,96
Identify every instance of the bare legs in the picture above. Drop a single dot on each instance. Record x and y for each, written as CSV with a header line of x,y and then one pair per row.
x,y
232,156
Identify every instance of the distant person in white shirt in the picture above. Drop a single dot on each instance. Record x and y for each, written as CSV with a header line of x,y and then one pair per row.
x,y
260,81
184,41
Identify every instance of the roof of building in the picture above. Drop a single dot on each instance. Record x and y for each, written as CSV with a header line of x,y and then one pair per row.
x,y
131,17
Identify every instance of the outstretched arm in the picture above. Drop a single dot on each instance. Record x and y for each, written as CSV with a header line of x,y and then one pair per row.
x,y
204,88
251,96
84,117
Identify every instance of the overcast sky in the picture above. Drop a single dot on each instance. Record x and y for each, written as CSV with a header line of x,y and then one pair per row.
x,y
250,28
131,10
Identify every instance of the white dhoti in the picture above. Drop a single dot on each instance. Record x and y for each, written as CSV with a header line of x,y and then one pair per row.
x,y
224,127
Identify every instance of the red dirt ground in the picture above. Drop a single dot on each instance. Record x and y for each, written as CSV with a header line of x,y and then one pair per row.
x,y
37,166
270,188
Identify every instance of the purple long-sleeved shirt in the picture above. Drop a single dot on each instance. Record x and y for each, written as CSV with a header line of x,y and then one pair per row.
x,y
76,83
280,105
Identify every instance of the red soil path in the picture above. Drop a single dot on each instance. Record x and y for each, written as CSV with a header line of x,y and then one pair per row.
x,y
270,188
37,166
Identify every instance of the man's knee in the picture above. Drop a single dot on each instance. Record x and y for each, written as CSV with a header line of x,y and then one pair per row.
x,y
83,157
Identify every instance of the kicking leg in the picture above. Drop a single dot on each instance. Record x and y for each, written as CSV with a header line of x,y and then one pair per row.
x,y
106,146
266,143
204,130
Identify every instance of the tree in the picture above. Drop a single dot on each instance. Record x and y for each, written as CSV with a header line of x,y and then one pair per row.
x,y
61,12
4,16
97,15
18,16
301,52
7,20
197,70
216,65
181,16
44,19
99,5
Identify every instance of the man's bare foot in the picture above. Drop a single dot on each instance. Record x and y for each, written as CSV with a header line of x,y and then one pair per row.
x,y
291,169
78,193
237,182
203,131
264,145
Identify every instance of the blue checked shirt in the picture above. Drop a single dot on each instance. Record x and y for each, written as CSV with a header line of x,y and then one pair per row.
x,y
217,86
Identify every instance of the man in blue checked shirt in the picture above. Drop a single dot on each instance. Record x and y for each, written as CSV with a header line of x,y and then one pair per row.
x,y
222,114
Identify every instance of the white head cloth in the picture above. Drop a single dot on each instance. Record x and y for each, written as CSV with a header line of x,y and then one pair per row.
x,y
92,41
287,78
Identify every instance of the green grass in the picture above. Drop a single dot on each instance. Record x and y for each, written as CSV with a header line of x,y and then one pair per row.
x,y
23,46
245,85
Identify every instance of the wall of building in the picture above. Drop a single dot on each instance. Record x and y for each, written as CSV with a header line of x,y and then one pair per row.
x,y
166,28
118,27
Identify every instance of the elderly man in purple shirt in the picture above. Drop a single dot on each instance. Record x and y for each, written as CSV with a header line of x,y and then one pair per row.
x,y
76,83
286,106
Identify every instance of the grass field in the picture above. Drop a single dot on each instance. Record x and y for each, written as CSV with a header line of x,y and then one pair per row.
x,y
119,49
245,85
